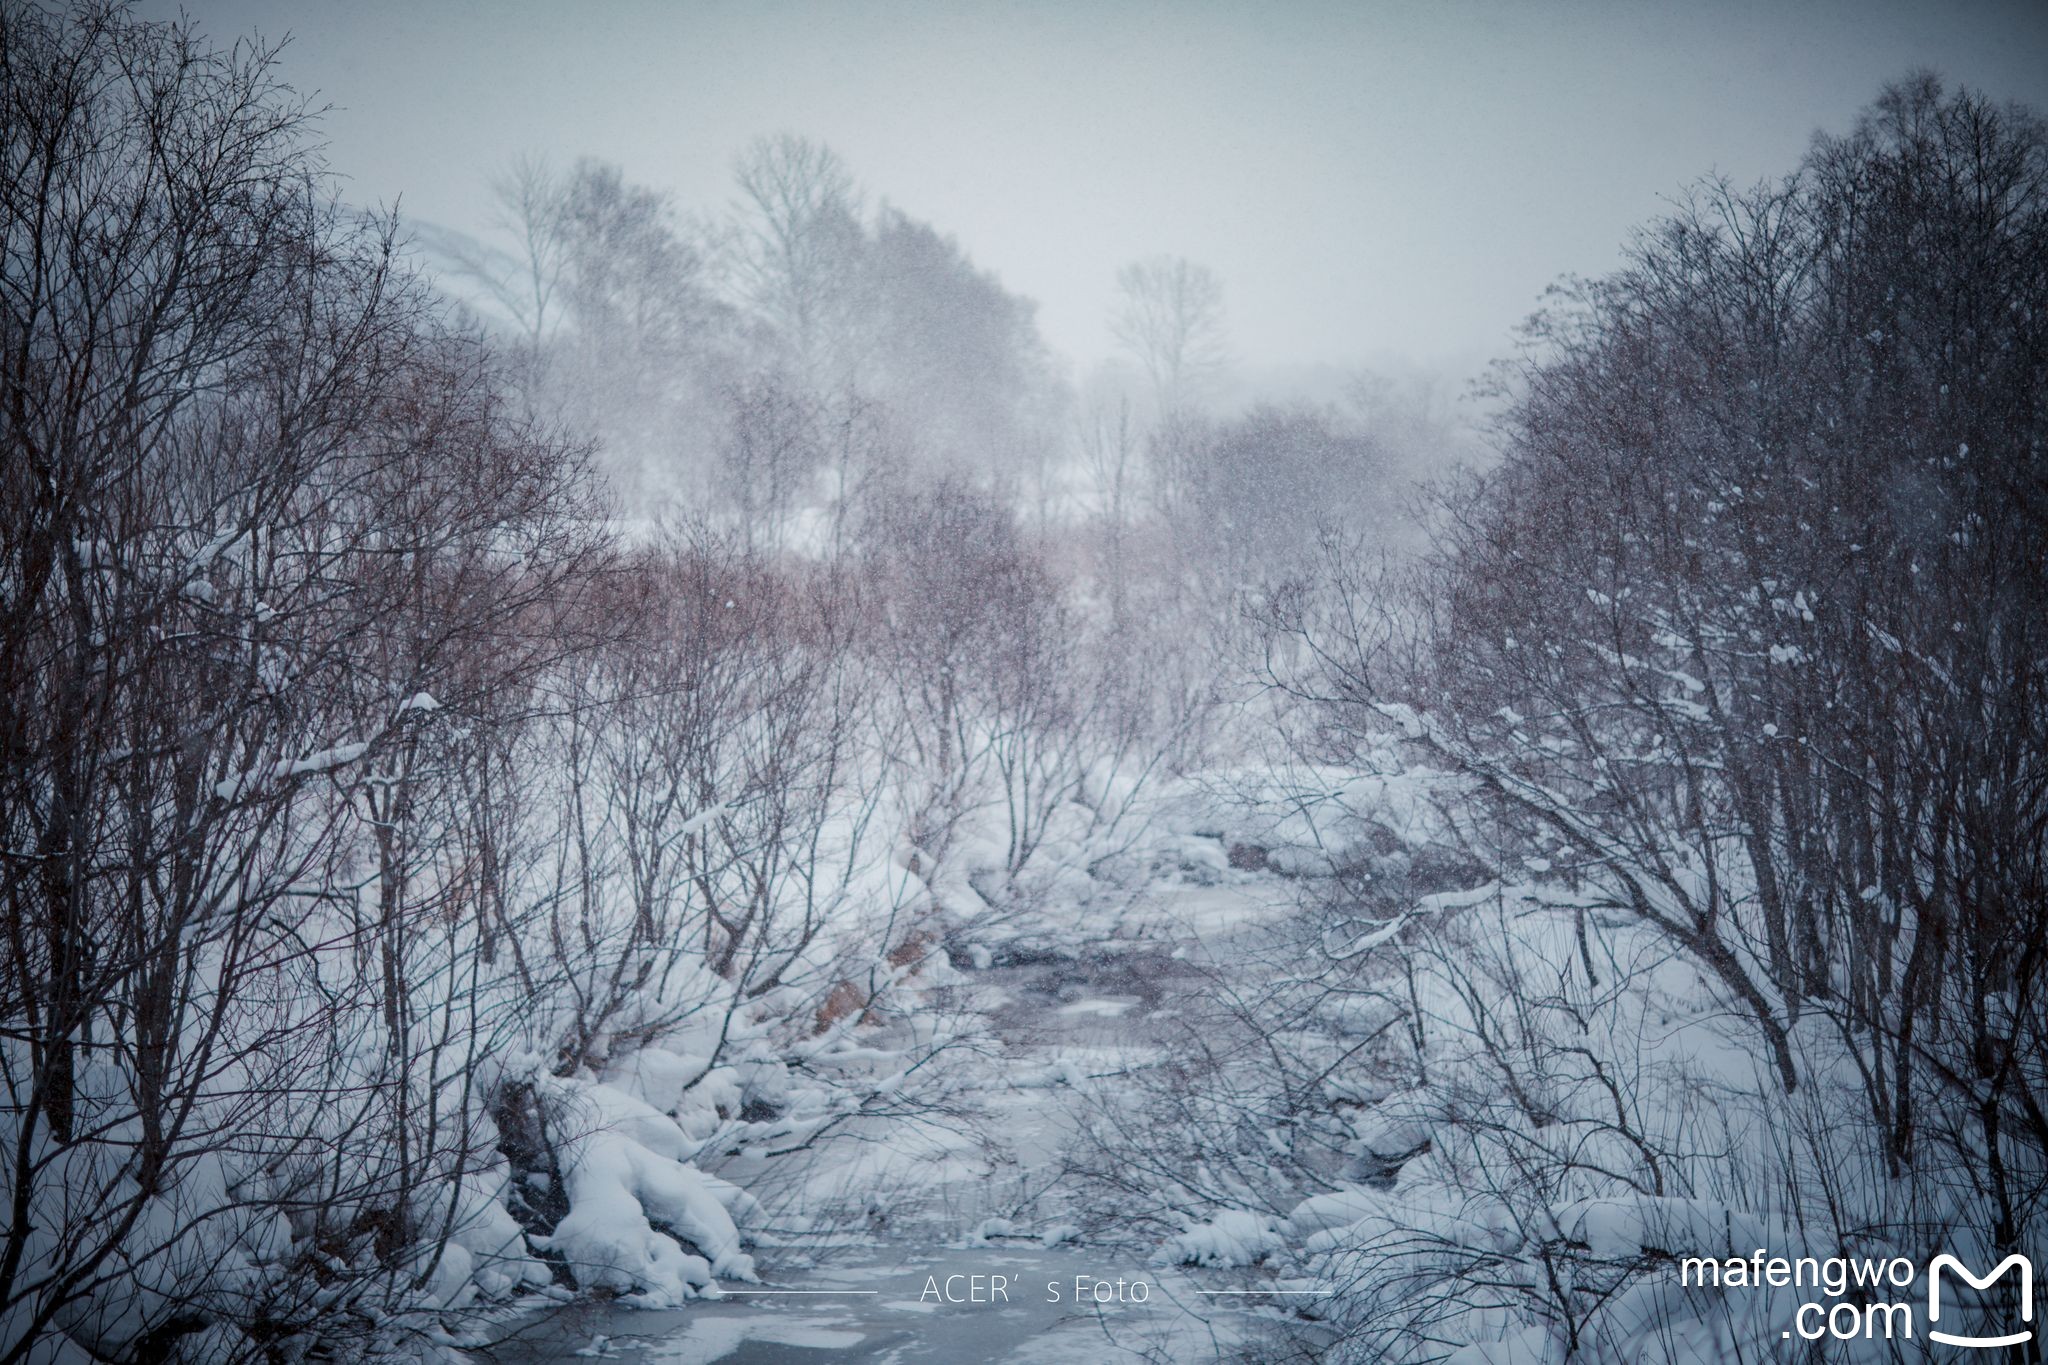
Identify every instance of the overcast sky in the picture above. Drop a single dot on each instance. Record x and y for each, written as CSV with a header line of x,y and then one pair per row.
x,y
1370,180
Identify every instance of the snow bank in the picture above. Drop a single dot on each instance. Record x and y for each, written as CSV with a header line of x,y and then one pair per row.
x,y
635,1205
1234,1237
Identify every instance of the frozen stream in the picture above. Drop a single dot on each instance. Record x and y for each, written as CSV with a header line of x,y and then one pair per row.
x,y
925,1299
895,1319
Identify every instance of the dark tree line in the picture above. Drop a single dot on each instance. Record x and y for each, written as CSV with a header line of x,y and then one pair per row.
x,y
1740,644
366,796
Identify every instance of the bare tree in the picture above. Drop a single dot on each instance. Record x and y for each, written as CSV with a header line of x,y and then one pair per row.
x,y
802,250
524,279
1169,317
773,447
1700,646
260,507
1110,446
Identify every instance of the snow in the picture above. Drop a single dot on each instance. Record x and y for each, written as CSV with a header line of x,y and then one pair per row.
x,y
710,1339
703,819
1235,1237
1626,1227
320,761
1099,1008
617,1190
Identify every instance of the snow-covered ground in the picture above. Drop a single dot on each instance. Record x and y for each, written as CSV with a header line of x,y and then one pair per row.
x,y
1064,1022
874,1306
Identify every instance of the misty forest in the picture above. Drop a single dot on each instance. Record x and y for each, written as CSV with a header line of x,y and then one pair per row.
x,y
639,783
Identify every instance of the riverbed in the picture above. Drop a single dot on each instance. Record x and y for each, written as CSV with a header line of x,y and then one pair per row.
x,y
965,1295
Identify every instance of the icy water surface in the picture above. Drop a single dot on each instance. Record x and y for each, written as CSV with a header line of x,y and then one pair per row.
x,y
898,1320
889,1303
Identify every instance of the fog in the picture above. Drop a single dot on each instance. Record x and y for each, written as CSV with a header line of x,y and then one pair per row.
x,y
1373,182
1348,684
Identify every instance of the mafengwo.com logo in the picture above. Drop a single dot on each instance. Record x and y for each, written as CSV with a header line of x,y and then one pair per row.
x,y
1855,1296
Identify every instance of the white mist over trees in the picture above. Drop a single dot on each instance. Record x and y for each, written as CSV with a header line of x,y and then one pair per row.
x,y
1169,317
773,355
